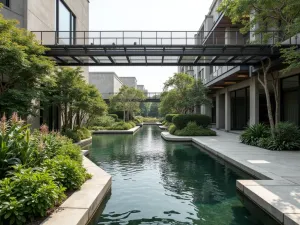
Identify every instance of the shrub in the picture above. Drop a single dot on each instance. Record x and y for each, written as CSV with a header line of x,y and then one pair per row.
x,y
137,120
287,137
121,126
192,129
15,147
72,151
66,172
181,121
169,117
84,132
73,134
132,123
254,133
97,128
28,194
103,121
172,129
115,116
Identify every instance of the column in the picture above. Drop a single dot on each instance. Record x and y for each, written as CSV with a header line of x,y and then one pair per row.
x,y
254,101
218,111
227,111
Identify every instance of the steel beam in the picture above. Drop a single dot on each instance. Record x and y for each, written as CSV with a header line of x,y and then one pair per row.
x,y
94,59
214,59
77,60
110,59
197,59
158,64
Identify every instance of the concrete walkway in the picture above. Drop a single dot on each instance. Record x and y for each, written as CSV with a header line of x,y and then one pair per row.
x,y
278,191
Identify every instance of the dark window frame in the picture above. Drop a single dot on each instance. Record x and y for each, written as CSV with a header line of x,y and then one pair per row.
x,y
73,20
6,3
282,91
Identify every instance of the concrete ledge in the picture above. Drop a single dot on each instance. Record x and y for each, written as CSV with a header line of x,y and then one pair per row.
x,y
278,193
169,137
131,131
80,207
163,127
84,142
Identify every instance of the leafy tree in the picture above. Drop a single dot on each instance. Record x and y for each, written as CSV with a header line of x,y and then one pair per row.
x,y
260,16
127,100
185,93
23,69
154,112
76,100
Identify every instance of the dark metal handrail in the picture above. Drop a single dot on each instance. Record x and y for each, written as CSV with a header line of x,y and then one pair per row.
x,y
157,38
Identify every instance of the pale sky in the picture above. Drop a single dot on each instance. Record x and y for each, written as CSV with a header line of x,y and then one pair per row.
x,y
151,15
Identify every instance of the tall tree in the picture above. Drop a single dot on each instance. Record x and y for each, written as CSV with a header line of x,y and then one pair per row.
x,y
76,100
278,21
127,100
23,69
182,93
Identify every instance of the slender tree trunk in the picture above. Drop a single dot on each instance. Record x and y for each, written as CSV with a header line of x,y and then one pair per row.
x,y
264,83
276,94
66,116
124,116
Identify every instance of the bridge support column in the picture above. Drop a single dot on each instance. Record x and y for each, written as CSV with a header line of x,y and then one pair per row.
x,y
220,111
254,101
227,111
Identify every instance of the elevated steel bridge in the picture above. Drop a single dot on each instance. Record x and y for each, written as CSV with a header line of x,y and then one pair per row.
x,y
159,48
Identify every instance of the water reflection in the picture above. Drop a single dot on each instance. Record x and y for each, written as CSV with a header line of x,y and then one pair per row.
x,y
155,182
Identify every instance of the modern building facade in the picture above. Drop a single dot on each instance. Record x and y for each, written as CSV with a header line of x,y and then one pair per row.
x,y
49,15
237,97
129,81
107,83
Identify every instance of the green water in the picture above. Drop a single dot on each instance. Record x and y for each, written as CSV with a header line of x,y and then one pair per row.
x,y
158,182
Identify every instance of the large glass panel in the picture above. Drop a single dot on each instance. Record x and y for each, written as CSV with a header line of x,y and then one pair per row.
x,y
291,106
64,24
290,82
5,2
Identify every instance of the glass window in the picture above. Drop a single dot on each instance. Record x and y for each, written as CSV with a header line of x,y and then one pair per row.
x,y
290,82
65,24
5,2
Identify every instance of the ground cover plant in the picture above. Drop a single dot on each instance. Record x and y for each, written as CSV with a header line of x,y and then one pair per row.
x,y
286,136
36,169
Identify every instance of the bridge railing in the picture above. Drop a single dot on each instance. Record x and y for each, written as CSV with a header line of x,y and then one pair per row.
x,y
157,38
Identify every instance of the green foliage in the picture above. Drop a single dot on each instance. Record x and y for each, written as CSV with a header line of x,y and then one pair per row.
x,y
66,172
103,121
287,137
132,123
254,133
121,126
138,120
127,100
169,117
115,116
23,69
27,194
172,129
265,15
15,146
185,92
84,133
74,97
181,121
74,135
192,129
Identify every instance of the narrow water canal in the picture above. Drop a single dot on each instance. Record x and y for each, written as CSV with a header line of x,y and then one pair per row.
x,y
157,182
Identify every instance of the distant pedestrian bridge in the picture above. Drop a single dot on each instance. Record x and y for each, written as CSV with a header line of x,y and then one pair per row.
x,y
150,97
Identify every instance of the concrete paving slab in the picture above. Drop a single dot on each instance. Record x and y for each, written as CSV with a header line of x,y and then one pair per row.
x,y
278,192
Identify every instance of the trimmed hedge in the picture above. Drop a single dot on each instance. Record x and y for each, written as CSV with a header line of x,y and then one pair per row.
x,y
115,116
192,129
181,121
169,117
